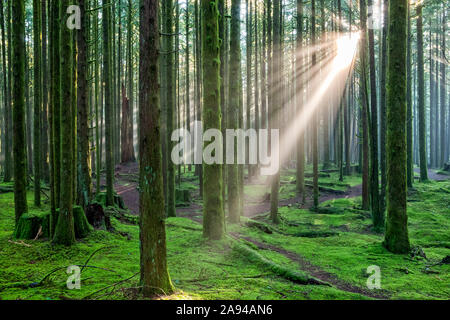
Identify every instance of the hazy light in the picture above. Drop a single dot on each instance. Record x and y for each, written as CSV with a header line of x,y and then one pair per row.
x,y
324,86
346,49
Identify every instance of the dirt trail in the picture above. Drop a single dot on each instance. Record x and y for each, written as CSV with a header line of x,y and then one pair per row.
x,y
126,181
316,271
432,175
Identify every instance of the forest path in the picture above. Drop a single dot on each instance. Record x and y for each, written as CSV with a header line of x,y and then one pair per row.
x,y
314,270
127,179
433,175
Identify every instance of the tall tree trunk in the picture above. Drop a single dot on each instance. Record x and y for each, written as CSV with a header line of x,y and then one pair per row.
x,y
275,80
130,79
170,102
377,214
98,156
421,97
233,109
315,121
155,277
443,92
84,169
18,102
249,90
409,119
64,231
6,98
187,76
108,103
396,237
213,221
364,106
383,106
300,173
37,90
45,95
198,59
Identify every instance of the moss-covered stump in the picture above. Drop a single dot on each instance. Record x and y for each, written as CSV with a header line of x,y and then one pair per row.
x,y
99,217
118,201
121,215
81,224
30,224
182,198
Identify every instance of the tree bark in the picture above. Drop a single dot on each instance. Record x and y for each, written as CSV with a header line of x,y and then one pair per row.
x,y
396,236
155,277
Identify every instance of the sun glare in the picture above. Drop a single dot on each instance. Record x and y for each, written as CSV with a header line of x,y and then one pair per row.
x,y
346,49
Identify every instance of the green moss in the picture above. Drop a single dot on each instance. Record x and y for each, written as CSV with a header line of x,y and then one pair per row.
x,y
30,224
216,271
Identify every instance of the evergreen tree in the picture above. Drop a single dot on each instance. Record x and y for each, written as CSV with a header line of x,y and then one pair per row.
x,y
233,109
155,278
396,237
213,221
18,103
64,230
421,97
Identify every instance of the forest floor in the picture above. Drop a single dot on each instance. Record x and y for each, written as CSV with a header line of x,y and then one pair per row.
x,y
257,260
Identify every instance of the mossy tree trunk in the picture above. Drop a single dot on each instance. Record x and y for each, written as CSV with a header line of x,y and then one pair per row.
x,y
37,90
155,277
198,83
98,156
18,102
213,221
107,79
396,236
377,214
170,102
382,81
54,89
84,184
9,169
233,109
421,97
364,106
187,75
274,108
56,97
409,101
6,100
249,91
444,92
300,173
315,120
64,231
223,83
45,169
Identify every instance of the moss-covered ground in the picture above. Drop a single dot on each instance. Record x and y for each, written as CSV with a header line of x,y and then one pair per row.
x,y
337,247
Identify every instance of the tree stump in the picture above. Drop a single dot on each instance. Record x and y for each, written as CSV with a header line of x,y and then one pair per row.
x,y
97,217
32,223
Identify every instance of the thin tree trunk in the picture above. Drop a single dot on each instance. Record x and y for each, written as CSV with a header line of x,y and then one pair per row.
x,y
421,97
233,109
37,90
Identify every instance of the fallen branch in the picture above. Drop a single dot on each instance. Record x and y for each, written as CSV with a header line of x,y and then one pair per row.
x,y
20,243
